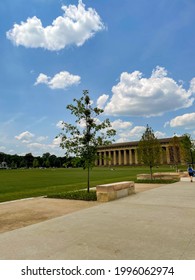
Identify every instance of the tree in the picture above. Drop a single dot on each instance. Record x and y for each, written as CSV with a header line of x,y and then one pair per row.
x,y
36,163
83,138
29,160
149,149
188,149
46,159
174,149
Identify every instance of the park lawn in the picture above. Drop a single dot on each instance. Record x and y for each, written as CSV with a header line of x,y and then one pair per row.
x,y
24,183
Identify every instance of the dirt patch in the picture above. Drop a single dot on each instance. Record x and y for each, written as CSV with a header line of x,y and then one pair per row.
x,y
25,212
21,213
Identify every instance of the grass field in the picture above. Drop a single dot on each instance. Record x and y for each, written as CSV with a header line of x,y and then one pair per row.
x,y
23,183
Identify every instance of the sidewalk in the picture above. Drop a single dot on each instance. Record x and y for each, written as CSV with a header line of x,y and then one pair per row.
x,y
156,224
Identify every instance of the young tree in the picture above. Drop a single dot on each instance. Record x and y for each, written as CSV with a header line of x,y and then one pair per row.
x,y
149,149
188,149
175,148
83,138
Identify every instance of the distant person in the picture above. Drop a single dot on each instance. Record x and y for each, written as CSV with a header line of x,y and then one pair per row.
x,y
191,172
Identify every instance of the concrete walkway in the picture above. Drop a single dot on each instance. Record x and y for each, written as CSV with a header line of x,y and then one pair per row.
x,y
156,224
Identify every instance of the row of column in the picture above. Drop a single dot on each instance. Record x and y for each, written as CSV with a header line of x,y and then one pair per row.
x,y
127,157
117,157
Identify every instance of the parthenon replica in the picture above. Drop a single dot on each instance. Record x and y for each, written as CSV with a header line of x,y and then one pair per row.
x,y
124,154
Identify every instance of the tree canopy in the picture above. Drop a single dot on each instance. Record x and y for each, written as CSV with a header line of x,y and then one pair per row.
x,y
149,149
188,149
83,138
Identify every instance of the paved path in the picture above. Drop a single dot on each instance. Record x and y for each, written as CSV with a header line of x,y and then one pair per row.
x,y
157,224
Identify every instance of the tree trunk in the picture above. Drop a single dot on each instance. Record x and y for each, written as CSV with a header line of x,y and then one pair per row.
x,y
151,177
88,178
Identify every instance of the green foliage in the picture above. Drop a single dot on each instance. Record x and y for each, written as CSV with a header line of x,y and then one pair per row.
x,y
175,147
29,161
76,195
149,149
83,138
156,181
35,163
188,148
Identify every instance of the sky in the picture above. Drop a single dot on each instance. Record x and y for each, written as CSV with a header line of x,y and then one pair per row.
x,y
136,58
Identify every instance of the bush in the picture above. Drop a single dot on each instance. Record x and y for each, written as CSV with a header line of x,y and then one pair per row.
x,y
156,181
76,195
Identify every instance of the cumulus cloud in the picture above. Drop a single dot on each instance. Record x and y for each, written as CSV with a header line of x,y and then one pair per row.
x,y
121,125
186,121
102,101
36,146
135,95
62,80
159,134
74,27
133,134
42,138
60,124
25,136
55,143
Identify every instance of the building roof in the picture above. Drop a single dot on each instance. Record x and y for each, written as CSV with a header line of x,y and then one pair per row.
x,y
133,143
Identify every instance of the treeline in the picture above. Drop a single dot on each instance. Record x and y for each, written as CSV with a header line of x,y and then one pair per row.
x,y
29,161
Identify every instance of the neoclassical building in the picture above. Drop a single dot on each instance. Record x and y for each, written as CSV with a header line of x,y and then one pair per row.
x,y
121,154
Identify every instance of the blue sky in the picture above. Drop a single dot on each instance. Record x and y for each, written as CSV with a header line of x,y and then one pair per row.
x,y
136,58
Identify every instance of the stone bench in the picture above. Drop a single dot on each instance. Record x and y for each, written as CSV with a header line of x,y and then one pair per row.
x,y
108,192
160,175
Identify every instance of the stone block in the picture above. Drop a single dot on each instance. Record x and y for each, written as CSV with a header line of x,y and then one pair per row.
x,y
109,192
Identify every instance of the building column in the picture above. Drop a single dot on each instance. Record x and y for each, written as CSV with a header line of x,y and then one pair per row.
x,y
168,155
119,157
100,158
130,157
125,157
105,159
114,157
136,157
109,158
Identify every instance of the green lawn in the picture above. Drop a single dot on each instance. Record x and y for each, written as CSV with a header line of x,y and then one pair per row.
x,y
23,183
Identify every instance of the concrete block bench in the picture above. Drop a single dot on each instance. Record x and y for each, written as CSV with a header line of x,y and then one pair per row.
x,y
160,175
108,192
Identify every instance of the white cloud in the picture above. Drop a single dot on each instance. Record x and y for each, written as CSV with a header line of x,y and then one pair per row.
x,y
120,125
192,85
138,96
60,124
159,134
37,146
42,145
61,80
102,100
73,28
134,134
56,141
55,145
186,121
42,138
25,136
42,79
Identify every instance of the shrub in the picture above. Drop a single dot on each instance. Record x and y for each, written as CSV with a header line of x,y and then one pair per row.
x,y
156,181
76,195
